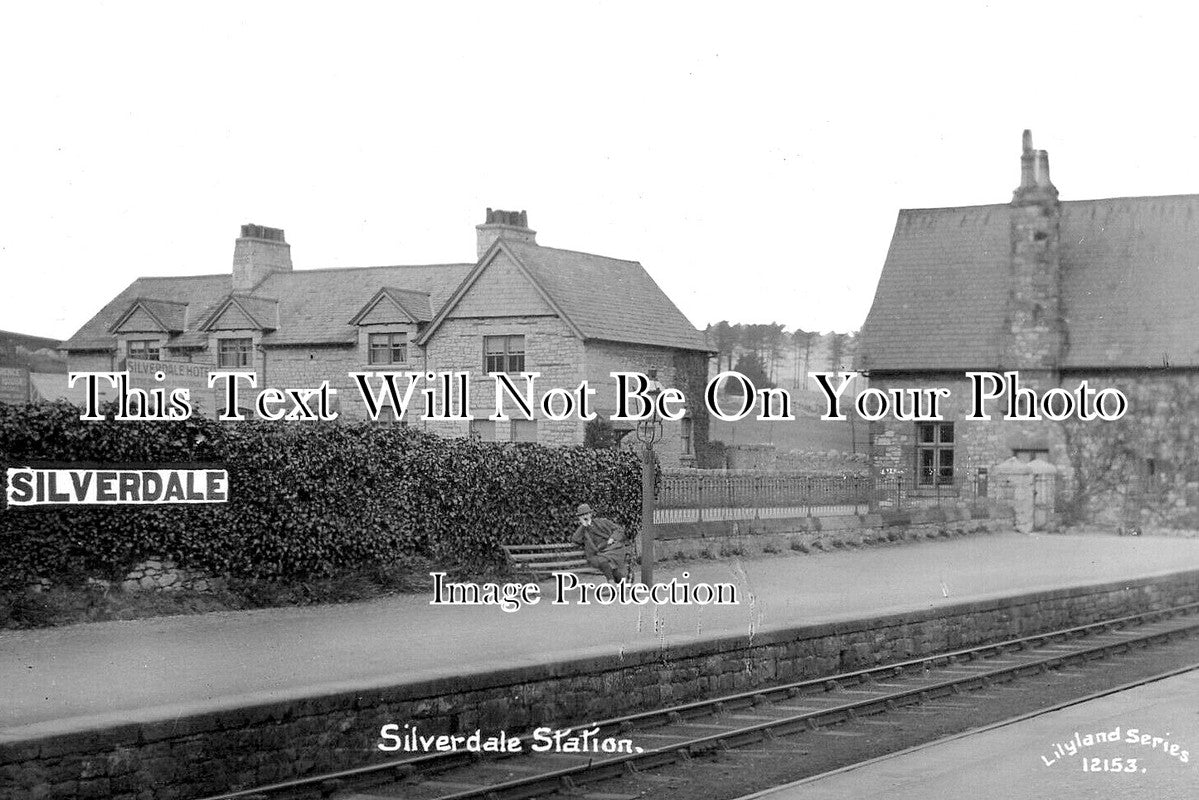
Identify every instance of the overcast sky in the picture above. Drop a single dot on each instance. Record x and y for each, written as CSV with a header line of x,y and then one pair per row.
x,y
752,156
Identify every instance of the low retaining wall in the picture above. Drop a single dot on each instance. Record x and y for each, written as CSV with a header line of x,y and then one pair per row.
x,y
685,540
192,755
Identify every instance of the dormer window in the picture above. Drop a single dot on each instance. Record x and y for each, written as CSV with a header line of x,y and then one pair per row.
x,y
144,349
387,348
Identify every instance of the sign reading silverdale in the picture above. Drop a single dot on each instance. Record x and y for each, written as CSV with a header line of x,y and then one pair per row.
x,y
41,487
447,396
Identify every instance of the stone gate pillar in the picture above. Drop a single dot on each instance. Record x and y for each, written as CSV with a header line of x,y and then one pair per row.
x,y
1014,486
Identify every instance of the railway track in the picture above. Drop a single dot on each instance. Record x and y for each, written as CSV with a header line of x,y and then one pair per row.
x,y
669,735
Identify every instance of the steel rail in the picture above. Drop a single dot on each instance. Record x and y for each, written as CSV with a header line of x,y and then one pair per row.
x,y
535,785
327,784
780,790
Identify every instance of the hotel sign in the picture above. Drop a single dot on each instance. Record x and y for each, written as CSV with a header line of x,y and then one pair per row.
x,y
190,375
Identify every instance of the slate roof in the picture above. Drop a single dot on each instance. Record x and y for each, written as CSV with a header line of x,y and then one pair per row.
x,y
263,311
603,298
1130,287
313,306
417,305
199,292
172,315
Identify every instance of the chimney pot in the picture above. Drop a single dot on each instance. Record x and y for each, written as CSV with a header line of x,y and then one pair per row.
x,y
511,226
1028,166
1035,185
252,231
1043,170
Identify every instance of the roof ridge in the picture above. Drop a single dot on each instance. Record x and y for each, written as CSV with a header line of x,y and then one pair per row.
x,y
180,277
309,271
579,253
378,266
957,208
1192,196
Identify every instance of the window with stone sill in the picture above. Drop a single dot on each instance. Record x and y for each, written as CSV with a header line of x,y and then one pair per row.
x,y
934,453
503,353
145,349
387,348
234,352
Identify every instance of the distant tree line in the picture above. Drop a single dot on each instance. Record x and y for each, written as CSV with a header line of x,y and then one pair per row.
x,y
770,355
34,353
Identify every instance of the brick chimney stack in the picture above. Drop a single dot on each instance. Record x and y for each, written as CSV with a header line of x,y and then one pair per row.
x,y
508,225
259,251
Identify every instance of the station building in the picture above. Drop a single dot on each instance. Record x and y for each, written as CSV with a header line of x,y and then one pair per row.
x,y
1105,291
519,307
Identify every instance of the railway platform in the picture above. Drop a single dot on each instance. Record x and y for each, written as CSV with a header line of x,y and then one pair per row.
x,y
100,675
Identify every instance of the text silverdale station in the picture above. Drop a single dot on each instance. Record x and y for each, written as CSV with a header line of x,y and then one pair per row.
x,y
447,396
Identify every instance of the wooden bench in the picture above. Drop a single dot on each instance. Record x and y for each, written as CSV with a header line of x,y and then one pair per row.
x,y
543,559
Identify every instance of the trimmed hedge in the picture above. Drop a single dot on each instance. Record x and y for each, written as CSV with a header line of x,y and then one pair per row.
x,y
305,499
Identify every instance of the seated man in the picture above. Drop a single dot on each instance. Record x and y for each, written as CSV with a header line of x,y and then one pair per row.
x,y
603,543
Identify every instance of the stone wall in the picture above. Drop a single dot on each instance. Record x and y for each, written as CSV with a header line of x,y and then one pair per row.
x,y
502,302
768,457
306,367
750,538
675,370
182,754
1139,470
550,349
978,444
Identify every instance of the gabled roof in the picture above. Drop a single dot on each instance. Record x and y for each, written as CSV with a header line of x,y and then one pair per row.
x,y
1130,287
198,292
261,312
170,315
295,308
597,297
408,306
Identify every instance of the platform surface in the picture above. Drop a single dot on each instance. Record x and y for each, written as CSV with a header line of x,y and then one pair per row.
x,y
100,674
1033,758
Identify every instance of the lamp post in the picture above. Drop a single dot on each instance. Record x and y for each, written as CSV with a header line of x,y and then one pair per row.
x,y
648,431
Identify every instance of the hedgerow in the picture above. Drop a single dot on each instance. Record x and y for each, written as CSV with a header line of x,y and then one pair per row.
x,y
304,500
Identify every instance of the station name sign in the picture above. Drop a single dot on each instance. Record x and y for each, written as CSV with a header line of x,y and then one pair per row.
x,y
29,486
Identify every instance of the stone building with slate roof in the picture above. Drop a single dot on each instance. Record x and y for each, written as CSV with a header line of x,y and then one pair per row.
x,y
519,307
1105,291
